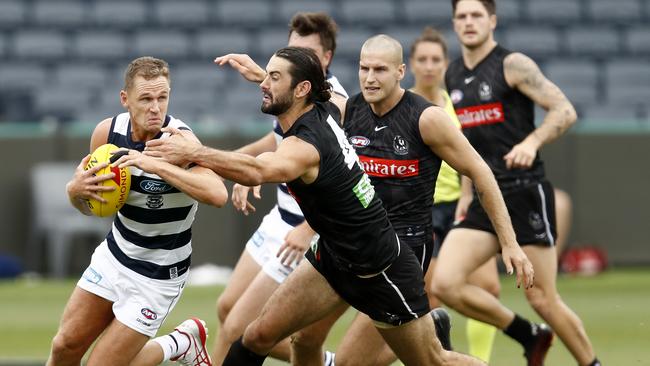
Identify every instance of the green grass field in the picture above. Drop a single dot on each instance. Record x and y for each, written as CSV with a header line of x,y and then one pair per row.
x,y
615,307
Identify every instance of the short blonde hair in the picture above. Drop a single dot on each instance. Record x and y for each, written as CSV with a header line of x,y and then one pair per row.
x,y
147,67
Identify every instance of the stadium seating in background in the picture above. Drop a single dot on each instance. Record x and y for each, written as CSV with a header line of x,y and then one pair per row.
x,y
53,44
55,222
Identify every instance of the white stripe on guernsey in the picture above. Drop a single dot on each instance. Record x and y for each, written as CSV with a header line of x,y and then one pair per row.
x,y
121,123
286,201
336,86
167,228
161,257
170,200
545,215
400,295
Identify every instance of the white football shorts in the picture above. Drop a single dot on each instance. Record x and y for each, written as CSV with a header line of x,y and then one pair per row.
x,y
139,302
263,246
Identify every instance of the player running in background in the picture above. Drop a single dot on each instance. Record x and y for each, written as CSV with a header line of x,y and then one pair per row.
x,y
428,61
280,242
494,92
137,274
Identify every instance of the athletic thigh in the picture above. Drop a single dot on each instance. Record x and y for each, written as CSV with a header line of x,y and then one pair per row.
x,y
544,260
244,273
361,344
85,317
302,299
463,251
250,304
117,346
487,277
415,342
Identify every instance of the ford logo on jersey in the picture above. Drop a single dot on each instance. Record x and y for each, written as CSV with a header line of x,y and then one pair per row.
x,y
149,314
153,186
359,141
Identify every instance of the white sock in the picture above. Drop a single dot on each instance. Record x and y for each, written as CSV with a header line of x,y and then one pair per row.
x,y
329,358
173,344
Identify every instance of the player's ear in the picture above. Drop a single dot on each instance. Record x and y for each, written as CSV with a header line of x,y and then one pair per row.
x,y
302,89
401,69
123,96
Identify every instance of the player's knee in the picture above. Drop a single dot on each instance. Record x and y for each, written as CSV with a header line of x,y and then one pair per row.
x,y
445,290
493,287
305,341
224,305
259,339
231,331
66,348
541,301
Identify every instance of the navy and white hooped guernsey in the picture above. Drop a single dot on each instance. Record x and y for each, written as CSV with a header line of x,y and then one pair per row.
x,y
287,206
151,233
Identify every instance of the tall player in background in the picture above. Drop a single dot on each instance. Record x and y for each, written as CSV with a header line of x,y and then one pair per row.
x,y
138,273
494,92
428,62
280,242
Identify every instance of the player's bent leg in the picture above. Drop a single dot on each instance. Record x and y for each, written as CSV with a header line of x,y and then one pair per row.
x,y
412,344
302,299
468,249
85,317
307,343
480,336
563,218
246,309
434,302
119,345
361,344
243,274
546,301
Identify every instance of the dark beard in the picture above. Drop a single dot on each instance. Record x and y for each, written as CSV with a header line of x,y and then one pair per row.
x,y
278,107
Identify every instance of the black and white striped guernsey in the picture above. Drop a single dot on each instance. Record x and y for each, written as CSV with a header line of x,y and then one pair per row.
x,y
151,233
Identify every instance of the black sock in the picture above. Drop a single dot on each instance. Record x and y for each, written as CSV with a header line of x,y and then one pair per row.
x,y
595,362
520,330
238,355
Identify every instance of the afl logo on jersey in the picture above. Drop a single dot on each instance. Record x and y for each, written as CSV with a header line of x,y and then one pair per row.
x,y
456,96
359,141
400,145
484,91
155,187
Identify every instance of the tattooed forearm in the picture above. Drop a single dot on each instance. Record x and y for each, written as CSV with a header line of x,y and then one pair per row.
x,y
523,74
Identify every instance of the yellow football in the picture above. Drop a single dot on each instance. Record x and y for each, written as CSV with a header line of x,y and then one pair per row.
x,y
116,198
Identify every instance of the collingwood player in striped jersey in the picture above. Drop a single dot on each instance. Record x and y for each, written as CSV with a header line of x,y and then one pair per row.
x,y
260,269
138,272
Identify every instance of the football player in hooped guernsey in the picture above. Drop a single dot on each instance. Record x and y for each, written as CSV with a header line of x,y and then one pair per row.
x,y
137,274
358,259
494,92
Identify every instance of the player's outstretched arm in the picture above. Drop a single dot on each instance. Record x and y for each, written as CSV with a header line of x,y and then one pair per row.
x,y
244,64
448,142
293,159
522,73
